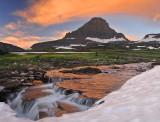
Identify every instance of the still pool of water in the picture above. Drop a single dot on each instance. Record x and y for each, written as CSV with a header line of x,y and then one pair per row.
x,y
25,53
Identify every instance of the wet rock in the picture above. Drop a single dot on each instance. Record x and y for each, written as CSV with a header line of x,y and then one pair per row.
x,y
30,69
64,108
101,102
31,72
34,93
15,63
24,78
13,73
31,78
141,70
14,80
10,84
43,115
38,73
97,85
38,82
114,67
27,84
108,91
154,64
38,77
24,74
70,91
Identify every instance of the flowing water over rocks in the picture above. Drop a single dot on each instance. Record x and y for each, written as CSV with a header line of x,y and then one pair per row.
x,y
47,101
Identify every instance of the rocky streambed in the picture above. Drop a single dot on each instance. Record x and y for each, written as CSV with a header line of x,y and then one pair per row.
x,y
62,91
96,83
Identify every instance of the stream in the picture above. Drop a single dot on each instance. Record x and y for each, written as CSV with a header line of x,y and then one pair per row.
x,y
66,93
48,103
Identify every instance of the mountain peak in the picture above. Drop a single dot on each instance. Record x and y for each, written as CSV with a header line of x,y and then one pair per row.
x,y
97,27
98,19
98,22
94,32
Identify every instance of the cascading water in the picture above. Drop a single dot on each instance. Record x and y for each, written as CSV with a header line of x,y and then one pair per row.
x,y
47,104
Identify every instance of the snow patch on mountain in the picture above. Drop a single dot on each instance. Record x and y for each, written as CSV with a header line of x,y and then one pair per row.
x,y
150,38
71,46
70,38
105,40
64,47
77,45
152,48
136,101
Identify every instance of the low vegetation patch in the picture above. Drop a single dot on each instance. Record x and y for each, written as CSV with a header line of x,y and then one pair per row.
x,y
86,70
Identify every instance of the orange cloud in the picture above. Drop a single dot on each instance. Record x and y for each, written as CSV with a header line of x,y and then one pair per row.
x,y
1,35
156,18
19,38
47,12
60,34
132,38
24,42
15,33
11,26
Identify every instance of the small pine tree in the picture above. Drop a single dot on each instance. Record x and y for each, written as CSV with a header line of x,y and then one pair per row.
x,y
96,54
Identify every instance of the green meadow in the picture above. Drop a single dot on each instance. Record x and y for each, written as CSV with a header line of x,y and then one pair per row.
x,y
96,57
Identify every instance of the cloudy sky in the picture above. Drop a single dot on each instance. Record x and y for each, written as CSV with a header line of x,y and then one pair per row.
x,y
25,22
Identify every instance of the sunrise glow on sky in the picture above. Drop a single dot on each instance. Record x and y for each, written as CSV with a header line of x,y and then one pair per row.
x,y
25,22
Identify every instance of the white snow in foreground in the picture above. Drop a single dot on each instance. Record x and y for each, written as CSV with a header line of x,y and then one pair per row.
x,y
150,38
137,101
105,40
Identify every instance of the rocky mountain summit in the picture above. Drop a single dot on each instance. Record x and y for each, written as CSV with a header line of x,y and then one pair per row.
x,y
95,28
94,32
9,47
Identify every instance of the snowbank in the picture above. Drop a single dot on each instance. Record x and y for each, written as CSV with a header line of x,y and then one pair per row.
x,y
137,101
105,40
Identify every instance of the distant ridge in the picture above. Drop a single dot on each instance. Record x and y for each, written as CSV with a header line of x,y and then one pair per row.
x,y
9,47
